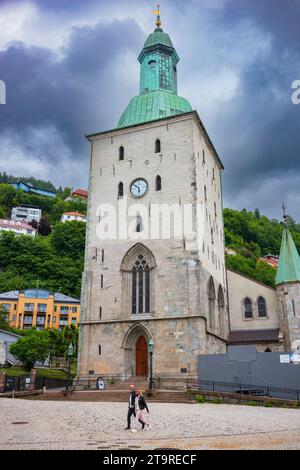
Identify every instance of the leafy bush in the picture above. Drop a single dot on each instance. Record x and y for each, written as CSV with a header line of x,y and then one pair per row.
x,y
200,399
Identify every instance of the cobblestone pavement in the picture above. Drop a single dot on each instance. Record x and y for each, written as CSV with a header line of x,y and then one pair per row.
x,y
28,424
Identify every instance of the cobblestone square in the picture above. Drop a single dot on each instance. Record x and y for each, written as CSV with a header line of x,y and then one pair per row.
x,y
29,424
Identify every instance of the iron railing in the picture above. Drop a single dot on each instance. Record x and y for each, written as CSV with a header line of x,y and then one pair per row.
x,y
245,389
22,383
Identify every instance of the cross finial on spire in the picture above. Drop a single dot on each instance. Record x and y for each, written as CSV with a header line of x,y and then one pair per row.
x,y
285,216
158,20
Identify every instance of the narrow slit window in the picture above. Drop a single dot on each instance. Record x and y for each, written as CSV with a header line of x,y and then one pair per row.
x,y
101,282
139,224
100,312
102,256
158,183
157,146
121,153
120,190
99,349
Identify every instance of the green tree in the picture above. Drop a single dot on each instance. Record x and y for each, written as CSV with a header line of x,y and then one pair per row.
x,y
31,348
4,323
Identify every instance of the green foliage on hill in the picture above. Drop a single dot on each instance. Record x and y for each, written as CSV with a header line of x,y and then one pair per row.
x,y
52,208
252,236
37,183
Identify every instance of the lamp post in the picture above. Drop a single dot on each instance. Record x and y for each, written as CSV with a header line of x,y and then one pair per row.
x,y
70,354
151,348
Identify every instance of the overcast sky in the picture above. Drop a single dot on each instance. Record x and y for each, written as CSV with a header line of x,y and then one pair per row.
x,y
70,68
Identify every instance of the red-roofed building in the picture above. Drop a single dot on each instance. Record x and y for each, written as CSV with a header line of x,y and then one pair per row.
x,y
69,216
272,260
20,228
78,193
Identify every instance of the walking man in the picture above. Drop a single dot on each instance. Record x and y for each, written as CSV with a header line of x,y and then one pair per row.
x,y
131,405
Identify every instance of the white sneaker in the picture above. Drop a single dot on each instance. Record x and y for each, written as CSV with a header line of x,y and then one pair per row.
x,y
133,430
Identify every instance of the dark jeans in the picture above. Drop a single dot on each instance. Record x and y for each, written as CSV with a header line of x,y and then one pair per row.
x,y
131,411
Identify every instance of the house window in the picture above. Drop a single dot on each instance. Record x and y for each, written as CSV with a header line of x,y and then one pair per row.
x,y
261,305
157,146
158,183
248,308
74,309
120,190
121,153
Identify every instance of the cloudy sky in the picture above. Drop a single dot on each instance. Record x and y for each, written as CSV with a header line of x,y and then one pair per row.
x,y
70,68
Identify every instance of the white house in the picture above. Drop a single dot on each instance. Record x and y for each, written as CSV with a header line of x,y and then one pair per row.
x,y
20,228
69,216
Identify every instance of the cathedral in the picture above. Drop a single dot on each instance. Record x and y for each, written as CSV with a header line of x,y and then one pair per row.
x,y
168,292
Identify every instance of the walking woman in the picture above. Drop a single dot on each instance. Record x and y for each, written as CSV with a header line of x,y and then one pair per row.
x,y
142,405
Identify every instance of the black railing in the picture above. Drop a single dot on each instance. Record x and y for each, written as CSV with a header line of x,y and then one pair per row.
x,y
245,389
49,382
22,383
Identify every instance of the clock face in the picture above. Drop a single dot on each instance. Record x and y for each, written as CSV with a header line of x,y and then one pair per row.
x,y
139,187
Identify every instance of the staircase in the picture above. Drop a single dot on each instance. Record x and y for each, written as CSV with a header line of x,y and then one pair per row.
x,y
140,383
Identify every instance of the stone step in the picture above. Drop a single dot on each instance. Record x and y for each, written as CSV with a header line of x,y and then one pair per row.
x,y
160,396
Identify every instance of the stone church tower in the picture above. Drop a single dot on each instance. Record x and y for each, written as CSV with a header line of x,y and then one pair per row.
x,y
288,290
140,286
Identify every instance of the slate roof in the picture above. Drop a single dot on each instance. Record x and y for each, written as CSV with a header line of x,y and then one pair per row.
x,y
253,336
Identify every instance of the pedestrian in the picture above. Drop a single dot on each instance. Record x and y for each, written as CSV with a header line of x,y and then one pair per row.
x,y
131,405
141,406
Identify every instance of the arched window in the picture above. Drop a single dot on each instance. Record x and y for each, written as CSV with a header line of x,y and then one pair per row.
x,y
157,146
221,305
211,303
152,63
121,153
262,308
140,286
120,190
248,308
158,183
138,280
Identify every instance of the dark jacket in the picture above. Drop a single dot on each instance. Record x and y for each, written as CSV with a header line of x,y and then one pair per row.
x,y
142,403
132,397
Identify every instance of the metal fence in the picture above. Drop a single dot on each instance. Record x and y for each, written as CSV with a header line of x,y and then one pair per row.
x,y
22,383
246,389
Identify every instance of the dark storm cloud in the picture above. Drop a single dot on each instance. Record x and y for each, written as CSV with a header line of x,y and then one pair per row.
x,y
54,96
67,93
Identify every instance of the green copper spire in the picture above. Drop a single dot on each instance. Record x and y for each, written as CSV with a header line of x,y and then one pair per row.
x,y
158,82
289,261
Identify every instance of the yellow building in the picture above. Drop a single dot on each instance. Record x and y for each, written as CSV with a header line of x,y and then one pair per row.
x,y
39,308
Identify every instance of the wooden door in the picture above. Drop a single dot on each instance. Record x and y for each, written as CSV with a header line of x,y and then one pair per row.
x,y
141,357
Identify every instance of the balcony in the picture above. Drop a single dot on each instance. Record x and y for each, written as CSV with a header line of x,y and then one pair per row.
x,y
28,308
42,308
40,321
